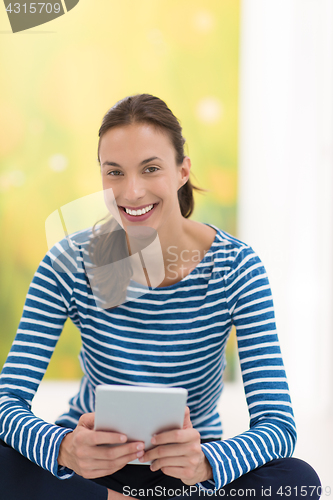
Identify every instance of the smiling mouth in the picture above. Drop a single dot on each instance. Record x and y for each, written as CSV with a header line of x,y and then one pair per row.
x,y
143,211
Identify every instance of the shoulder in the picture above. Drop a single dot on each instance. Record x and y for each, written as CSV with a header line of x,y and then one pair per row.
x,y
232,254
226,242
66,254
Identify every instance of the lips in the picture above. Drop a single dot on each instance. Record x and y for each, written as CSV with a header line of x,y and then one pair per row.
x,y
142,217
140,207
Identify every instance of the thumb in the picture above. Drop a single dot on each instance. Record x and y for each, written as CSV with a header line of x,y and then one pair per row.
x,y
87,420
187,421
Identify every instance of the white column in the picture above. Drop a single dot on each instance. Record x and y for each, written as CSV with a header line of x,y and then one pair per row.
x,y
286,179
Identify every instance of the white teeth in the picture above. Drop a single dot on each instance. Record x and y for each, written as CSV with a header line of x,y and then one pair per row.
x,y
139,212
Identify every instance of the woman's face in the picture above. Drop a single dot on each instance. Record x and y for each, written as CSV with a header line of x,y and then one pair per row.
x,y
138,162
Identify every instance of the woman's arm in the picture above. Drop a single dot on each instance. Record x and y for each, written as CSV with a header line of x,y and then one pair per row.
x,y
45,312
272,432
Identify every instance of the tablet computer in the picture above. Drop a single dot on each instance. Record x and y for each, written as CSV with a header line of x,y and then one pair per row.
x,y
139,411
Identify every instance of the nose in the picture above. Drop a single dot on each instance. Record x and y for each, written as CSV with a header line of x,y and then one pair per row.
x,y
134,189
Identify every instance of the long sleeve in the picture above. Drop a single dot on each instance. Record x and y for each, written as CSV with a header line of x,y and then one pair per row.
x,y
272,432
46,309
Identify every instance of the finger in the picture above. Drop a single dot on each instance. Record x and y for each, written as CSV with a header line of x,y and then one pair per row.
x,y
117,451
125,459
105,438
187,421
87,420
91,468
175,436
162,451
112,464
161,463
169,450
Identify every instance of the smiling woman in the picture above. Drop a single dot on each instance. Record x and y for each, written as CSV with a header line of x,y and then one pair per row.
x,y
171,335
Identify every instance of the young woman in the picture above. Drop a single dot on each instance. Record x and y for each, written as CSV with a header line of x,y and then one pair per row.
x,y
172,334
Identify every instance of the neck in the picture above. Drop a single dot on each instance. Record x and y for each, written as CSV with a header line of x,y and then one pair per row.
x,y
163,255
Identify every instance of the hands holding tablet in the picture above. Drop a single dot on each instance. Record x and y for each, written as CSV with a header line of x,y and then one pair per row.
x,y
177,452
136,424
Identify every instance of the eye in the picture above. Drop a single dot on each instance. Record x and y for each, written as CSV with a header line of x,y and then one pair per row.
x,y
152,167
114,173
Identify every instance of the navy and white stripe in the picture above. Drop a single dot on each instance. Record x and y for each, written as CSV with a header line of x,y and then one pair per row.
x,y
171,336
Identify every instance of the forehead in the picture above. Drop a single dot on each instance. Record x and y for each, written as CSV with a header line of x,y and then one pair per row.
x,y
131,141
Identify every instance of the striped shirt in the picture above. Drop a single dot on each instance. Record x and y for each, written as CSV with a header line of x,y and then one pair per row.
x,y
171,336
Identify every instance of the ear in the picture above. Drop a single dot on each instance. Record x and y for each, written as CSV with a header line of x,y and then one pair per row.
x,y
184,171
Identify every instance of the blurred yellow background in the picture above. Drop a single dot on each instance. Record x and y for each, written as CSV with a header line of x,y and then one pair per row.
x,y
58,80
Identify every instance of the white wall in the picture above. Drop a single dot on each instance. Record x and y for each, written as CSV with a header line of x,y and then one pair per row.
x,y
286,179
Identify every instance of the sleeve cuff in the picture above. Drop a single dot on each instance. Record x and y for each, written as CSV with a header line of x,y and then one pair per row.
x,y
210,484
207,485
60,471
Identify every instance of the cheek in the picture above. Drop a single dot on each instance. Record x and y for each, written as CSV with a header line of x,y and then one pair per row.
x,y
106,182
168,184
110,190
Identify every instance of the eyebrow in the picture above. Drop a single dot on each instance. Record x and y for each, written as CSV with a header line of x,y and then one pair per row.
x,y
144,162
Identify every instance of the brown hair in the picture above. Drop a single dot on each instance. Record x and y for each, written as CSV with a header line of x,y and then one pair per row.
x,y
111,246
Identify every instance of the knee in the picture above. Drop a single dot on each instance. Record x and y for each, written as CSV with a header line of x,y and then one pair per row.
x,y
304,472
303,479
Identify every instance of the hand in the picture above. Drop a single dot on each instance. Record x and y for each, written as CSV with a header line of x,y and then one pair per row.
x,y
178,454
86,451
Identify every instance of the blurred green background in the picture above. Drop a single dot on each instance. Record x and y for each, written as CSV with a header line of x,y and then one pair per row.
x,y
58,80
